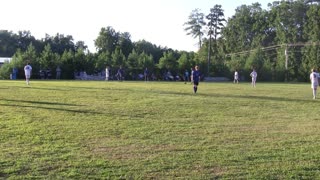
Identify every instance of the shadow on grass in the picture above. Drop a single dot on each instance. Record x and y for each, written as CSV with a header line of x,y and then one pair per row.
x,y
268,98
191,94
50,108
253,97
45,88
273,98
67,89
40,102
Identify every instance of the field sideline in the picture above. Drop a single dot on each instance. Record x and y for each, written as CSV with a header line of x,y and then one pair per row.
x,y
158,130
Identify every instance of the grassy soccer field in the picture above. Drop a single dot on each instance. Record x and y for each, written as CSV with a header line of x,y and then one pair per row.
x,y
158,130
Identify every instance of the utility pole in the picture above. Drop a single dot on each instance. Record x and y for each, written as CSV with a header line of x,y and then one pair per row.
x,y
286,63
209,55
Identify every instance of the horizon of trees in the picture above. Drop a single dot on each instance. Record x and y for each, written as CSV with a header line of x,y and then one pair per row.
x,y
282,43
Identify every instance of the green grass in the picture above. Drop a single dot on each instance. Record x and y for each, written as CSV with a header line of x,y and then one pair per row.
x,y
158,130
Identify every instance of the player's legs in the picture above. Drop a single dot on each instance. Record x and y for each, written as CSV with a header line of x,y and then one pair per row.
x,y
195,86
27,79
253,82
314,90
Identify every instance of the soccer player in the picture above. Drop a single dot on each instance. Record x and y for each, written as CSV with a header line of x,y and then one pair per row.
x,y
314,82
196,78
236,77
254,77
107,73
186,76
146,75
120,73
58,72
27,73
191,77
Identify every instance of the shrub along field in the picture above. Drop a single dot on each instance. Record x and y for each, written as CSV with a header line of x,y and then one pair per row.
x,y
158,130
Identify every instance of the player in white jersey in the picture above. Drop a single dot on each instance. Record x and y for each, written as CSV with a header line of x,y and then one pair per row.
x,y
314,82
236,77
27,73
254,77
107,73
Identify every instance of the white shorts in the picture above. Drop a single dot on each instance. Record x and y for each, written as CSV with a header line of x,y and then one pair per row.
x,y
314,86
27,76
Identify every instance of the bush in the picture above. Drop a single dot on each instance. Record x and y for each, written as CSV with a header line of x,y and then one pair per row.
x,y
5,71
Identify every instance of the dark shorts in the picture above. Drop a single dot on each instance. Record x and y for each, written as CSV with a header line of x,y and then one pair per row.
x,y
196,83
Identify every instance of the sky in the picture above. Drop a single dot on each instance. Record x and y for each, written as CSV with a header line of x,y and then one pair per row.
x,y
157,21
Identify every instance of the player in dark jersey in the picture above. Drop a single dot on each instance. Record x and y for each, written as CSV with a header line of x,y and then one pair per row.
x,y
120,73
196,78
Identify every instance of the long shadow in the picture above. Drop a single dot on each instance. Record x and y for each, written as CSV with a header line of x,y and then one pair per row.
x,y
45,88
49,108
67,88
268,98
191,94
40,102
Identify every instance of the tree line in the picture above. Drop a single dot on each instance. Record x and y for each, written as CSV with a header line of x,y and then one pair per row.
x,y
281,43
114,49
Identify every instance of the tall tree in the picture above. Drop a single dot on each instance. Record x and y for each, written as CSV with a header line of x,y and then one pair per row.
x,y
145,61
132,61
125,43
195,25
118,58
107,40
68,64
184,62
215,25
168,61
103,60
48,59
311,52
59,43
289,20
24,39
8,45
149,48
80,60
81,44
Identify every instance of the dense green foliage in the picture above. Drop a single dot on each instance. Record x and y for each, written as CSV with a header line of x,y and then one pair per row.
x,y
288,28
158,130
282,43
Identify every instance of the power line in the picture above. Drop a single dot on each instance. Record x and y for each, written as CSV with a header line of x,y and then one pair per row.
x,y
276,47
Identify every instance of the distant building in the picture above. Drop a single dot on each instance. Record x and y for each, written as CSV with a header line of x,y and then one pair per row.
x,y
4,59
